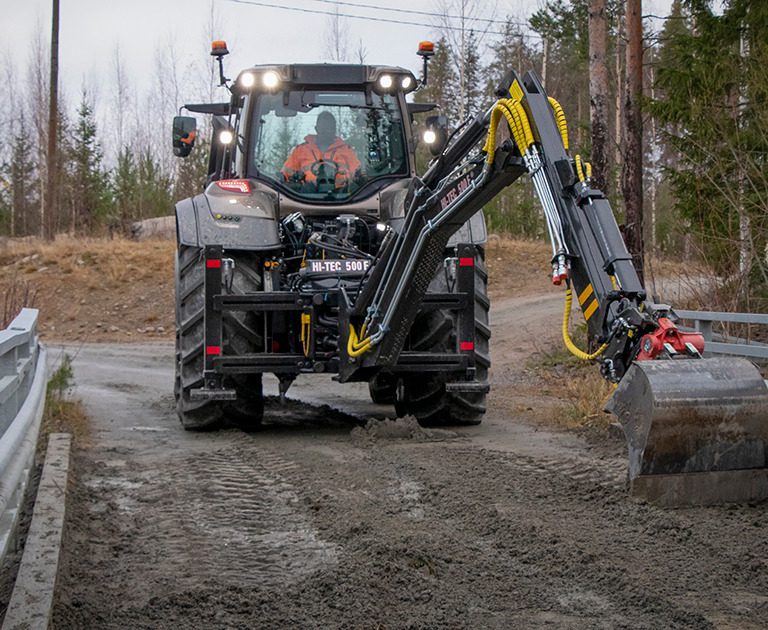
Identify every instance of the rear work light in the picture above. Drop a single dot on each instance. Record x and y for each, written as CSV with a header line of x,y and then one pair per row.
x,y
242,186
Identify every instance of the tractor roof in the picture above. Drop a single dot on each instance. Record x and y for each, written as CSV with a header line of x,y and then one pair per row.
x,y
330,74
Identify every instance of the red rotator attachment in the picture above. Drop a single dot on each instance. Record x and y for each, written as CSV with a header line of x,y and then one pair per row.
x,y
668,337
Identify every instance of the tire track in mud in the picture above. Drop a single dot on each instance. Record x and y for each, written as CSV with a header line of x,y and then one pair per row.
x,y
610,474
241,508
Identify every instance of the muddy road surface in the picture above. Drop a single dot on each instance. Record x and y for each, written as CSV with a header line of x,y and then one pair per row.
x,y
323,519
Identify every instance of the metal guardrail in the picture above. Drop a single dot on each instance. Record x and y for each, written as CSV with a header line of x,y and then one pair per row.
x,y
22,399
703,321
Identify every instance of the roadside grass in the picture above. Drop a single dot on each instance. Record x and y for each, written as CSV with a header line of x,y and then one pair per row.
x,y
64,414
118,260
578,384
16,294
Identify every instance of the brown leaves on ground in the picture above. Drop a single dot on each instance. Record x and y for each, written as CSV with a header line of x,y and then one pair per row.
x,y
517,267
95,289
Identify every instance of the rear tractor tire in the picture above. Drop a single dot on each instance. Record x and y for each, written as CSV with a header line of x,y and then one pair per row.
x,y
424,395
240,332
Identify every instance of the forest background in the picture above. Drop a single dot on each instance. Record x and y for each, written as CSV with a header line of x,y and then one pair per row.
x,y
704,124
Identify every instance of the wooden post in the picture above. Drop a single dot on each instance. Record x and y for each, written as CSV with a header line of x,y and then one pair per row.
x,y
51,198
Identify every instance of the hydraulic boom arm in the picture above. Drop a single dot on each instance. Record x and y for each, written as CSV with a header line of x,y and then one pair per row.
x,y
524,132
681,415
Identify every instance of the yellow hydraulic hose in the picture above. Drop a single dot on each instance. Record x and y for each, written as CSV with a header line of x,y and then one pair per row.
x,y
517,107
306,332
579,168
514,123
562,123
573,349
490,140
355,346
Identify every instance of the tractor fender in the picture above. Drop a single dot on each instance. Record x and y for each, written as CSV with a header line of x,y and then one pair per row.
x,y
473,231
245,222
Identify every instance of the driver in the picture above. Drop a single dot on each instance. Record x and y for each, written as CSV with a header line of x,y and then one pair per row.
x,y
308,162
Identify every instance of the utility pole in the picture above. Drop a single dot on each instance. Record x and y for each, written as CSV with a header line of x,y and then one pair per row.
x,y
598,91
52,188
632,169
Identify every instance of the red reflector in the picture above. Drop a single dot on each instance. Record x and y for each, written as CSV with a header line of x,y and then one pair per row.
x,y
275,346
467,345
466,262
212,349
235,185
213,263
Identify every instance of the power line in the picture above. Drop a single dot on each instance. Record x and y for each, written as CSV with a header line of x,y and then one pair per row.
x,y
270,5
377,7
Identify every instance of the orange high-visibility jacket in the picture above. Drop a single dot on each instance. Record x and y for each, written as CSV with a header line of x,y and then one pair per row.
x,y
305,155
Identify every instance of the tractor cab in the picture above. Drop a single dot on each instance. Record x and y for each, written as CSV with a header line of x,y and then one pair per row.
x,y
321,134
326,133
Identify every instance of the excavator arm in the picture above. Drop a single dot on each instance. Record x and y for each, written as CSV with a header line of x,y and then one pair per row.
x,y
696,428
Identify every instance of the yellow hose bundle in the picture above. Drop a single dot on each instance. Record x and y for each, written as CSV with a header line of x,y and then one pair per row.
x,y
572,348
562,123
522,119
519,127
357,346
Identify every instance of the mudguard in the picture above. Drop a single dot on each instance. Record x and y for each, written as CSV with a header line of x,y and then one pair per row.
x,y
235,221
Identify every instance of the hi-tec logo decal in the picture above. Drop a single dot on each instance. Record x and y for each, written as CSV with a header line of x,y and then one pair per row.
x,y
458,188
339,266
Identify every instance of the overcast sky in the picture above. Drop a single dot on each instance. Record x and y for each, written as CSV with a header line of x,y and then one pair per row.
x,y
92,29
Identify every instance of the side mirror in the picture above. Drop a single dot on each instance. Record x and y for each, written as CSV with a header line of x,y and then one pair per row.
x,y
184,133
435,134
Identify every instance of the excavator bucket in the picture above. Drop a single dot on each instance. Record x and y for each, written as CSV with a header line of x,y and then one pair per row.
x,y
696,429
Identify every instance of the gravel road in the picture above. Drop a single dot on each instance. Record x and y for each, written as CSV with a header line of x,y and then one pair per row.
x,y
324,519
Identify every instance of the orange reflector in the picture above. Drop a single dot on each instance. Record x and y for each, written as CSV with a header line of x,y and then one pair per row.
x,y
467,345
466,262
213,263
235,185
212,349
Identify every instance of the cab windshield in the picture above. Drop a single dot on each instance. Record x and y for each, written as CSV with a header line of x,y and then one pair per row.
x,y
327,145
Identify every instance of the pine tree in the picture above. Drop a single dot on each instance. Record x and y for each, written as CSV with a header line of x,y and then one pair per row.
x,y
88,184
125,185
192,171
511,52
473,79
713,96
564,25
18,195
154,198
442,83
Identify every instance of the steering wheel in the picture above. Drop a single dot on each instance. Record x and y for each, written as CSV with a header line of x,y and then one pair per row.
x,y
325,174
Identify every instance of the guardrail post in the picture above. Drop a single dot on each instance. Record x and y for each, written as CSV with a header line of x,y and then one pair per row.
x,y
8,362
705,328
